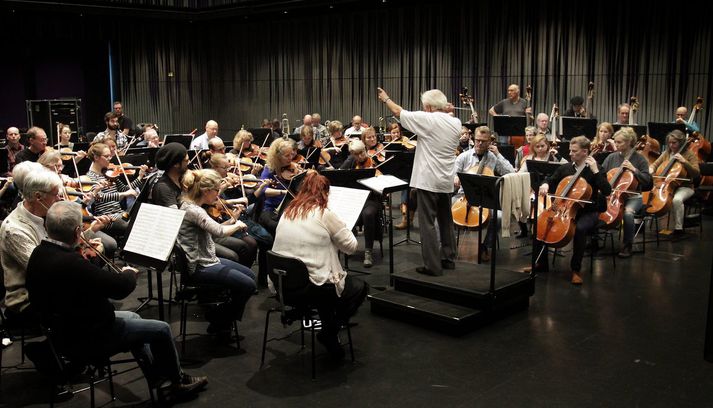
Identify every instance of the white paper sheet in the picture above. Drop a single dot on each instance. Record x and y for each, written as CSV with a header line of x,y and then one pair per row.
x,y
347,203
154,231
378,184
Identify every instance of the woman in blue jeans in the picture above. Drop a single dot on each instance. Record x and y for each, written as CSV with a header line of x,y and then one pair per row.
x,y
196,239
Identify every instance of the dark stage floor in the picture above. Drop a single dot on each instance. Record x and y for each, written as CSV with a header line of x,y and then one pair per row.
x,y
628,337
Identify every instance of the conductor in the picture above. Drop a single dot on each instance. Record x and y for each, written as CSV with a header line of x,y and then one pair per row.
x,y
433,172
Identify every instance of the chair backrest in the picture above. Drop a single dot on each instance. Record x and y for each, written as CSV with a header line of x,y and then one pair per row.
x,y
180,264
706,169
289,276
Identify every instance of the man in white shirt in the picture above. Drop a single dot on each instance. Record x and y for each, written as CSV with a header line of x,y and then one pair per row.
x,y
306,121
432,175
201,142
356,129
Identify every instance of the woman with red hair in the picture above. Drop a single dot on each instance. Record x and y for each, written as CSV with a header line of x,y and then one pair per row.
x,y
311,232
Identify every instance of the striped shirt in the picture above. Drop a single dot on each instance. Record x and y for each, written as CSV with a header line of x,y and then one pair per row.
x,y
107,201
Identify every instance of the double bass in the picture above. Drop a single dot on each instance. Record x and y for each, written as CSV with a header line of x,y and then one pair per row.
x,y
622,182
465,214
666,179
699,145
556,226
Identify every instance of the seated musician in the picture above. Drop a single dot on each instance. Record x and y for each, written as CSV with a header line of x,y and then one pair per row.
x,y
466,140
540,150
369,218
216,145
336,294
681,115
195,237
52,160
72,296
22,231
604,142
588,215
243,147
172,159
151,139
108,199
279,157
485,153
374,149
308,145
675,141
625,140
334,144
524,150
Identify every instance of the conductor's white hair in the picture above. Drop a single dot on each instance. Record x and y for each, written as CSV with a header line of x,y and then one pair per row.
x,y
435,99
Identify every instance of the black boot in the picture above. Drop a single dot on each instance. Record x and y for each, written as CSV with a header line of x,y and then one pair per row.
x,y
523,230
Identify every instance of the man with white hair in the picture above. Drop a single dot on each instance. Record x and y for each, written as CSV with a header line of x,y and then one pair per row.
x,y
201,142
151,139
432,175
320,131
23,230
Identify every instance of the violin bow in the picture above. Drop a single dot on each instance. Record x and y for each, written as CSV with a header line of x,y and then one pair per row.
x,y
100,255
121,166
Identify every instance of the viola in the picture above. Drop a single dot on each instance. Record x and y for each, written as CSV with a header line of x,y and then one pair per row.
x,y
555,225
86,183
252,151
67,153
622,181
377,152
467,215
666,180
115,171
288,172
220,211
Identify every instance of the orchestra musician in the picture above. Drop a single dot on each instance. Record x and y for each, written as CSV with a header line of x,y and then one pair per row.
x,y
112,129
13,147
306,121
540,150
126,125
279,157
513,105
587,216
22,231
604,142
37,142
334,144
524,150
485,154
72,295
195,237
625,140
151,139
675,141
369,218
201,142
542,125
682,117
243,147
577,110
319,129
336,294
65,135
356,128
466,140
432,175
622,114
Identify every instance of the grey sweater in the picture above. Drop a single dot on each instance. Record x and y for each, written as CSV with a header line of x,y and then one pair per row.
x,y
196,237
643,176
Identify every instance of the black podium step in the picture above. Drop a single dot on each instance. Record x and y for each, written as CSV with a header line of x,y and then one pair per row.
x,y
425,312
468,286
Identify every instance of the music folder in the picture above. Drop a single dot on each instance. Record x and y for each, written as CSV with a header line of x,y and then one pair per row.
x,y
185,140
572,127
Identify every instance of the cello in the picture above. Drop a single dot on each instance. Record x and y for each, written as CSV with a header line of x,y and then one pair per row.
x,y
556,226
466,215
622,182
666,179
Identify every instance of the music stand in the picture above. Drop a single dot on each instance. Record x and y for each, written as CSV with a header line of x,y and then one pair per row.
x,y
401,166
80,146
147,246
659,130
508,152
505,125
3,161
259,136
473,126
539,172
148,153
572,127
601,156
640,130
484,192
311,154
293,186
348,178
562,150
185,140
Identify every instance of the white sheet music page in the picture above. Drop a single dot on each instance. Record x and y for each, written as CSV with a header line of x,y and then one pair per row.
x,y
347,203
154,232
379,183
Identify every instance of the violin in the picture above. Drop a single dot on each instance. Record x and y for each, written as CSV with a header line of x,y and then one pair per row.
x,y
114,171
67,153
555,225
220,211
622,181
467,215
84,183
289,172
666,180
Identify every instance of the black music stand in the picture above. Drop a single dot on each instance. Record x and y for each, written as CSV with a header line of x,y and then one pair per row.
x,y
640,130
484,192
311,155
601,156
508,152
146,153
473,126
80,146
659,130
396,186
401,166
508,126
572,127
539,172
153,264
562,150
349,179
3,161
185,140
259,136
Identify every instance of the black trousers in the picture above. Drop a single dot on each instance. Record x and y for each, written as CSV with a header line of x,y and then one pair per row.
x,y
586,223
436,206
334,310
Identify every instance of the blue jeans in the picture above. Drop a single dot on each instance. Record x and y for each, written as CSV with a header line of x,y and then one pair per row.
x,y
149,340
631,208
240,279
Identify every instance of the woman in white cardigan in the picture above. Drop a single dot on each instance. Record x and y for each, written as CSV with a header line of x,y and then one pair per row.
x,y
309,231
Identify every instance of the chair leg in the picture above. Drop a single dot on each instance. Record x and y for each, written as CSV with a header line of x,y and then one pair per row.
x,y
264,338
237,334
22,343
184,323
111,381
91,391
314,359
351,345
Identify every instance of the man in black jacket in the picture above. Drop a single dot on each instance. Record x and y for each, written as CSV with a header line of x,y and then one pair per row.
x,y
72,294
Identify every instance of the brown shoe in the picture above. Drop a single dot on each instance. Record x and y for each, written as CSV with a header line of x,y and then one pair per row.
x,y
485,255
403,224
576,278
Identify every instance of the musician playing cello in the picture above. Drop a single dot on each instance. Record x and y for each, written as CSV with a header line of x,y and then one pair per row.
x,y
675,141
588,215
625,140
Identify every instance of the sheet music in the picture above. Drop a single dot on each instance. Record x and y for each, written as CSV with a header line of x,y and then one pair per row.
x,y
347,203
378,184
154,231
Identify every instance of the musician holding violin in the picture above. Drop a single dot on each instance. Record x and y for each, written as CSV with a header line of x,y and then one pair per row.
x,y
309,148
369,218
604,142
566,182
683,165
278,166
246,152
484,155
626,196
334,145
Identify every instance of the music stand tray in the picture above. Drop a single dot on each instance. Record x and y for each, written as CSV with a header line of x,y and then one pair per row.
x,y
259,136
505,125
348,178
640,130
400,166
473,126
185,140
572,127
659,130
